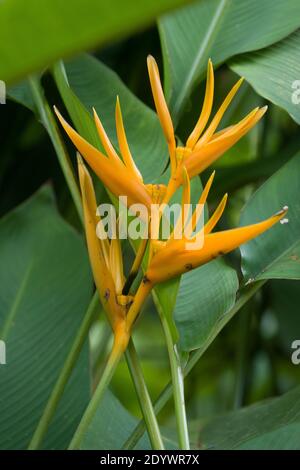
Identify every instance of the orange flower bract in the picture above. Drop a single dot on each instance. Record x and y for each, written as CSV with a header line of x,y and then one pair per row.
x,y
172,258
204,145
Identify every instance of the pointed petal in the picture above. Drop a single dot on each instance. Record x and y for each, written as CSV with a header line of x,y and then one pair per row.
x,y
206,109
162,108
90,207
205,192
186,197
116,265
108,147
176,259
123,144
235,127
218,116
214,219
206,155
185,202
112,173
102,277
219,243
200,207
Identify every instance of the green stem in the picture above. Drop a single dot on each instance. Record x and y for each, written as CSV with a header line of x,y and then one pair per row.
x,y
64,376
144,397
166,394
136,265
177,386
242,357
48,120
93,405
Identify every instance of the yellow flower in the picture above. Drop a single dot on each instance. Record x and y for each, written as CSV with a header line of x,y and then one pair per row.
x,y
105,256
121,177
175,257
202,147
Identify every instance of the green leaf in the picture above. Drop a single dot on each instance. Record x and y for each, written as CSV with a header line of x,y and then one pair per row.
x,y
111,426
276,253
218,29
285,303
91,83
274,73
270,425
164,296
45,289
204,296
34,34
21,93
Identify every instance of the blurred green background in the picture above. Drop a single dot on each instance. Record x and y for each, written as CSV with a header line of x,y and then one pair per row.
x,y
256,344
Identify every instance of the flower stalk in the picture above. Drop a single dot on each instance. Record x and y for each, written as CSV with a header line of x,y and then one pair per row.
x,y
119,346
178,387
144,398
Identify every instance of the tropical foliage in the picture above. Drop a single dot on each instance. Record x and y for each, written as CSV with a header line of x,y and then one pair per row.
x,y
145,343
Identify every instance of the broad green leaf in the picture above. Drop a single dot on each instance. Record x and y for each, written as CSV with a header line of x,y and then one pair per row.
x,y
112,425
276,253
164,296
270,425
91,83
218,29
45,290
34,34
21,93
285,303
204,296
274,73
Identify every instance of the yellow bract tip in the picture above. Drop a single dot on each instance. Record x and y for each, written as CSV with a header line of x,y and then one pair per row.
x,y
123,144
162,108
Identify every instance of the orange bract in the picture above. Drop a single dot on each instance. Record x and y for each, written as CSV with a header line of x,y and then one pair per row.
x,y
121,177
174,257
202,148
105,256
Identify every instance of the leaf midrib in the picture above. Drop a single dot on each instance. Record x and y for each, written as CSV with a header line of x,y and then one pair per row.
x,y
211,31
263,434
16,303
269,266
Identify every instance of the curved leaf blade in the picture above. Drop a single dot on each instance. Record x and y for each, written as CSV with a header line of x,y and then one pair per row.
x,y
33,34
276,253
270,425
218,29
274,73
204,296
45,290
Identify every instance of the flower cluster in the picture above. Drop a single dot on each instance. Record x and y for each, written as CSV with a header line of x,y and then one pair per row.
x,y
169,258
